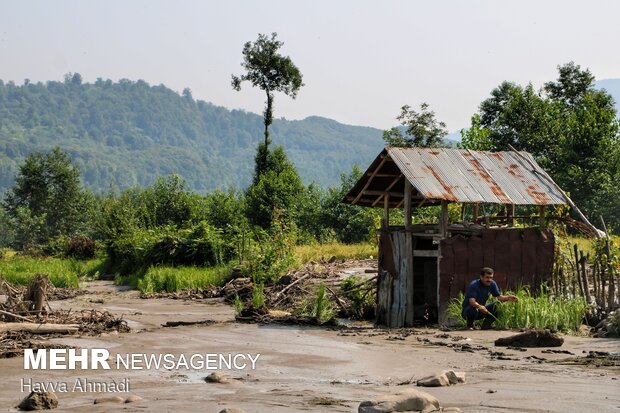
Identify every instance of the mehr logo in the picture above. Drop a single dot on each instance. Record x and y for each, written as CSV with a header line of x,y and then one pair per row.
x,y
63,359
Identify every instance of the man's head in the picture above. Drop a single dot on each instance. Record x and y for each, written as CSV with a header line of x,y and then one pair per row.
x,y
486,276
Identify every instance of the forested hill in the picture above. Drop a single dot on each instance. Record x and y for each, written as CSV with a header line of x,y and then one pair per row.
x,y
129,133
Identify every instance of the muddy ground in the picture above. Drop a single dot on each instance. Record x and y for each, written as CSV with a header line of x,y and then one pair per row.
x,y
319,369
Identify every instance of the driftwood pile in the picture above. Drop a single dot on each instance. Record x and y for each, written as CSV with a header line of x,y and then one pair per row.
x,y
25,314
294,290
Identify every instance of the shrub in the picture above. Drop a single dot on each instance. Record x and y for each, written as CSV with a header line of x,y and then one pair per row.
x,y
80,248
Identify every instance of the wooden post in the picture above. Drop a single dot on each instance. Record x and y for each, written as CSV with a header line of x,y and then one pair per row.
x,y
510,212
578,271
443,219
475,214
463,205
407,204
408,255
541,216
586,285
386,211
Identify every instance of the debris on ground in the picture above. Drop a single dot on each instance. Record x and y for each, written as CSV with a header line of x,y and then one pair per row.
x,y
350,288
592,359
187,323
610,326
26,314
532,338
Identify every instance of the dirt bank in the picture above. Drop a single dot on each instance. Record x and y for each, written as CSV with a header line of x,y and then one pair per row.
x,y
318,369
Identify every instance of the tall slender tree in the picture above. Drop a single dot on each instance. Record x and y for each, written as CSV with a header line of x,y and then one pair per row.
x,y
269,70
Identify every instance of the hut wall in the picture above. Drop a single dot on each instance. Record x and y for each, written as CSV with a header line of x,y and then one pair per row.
x,y
519,256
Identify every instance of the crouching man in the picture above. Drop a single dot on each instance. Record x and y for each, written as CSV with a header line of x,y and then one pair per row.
x,y
474,304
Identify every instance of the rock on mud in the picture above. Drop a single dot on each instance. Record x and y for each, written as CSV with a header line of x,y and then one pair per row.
x,y
39,401
408,400
111,399
444,378
533,338
133,398
217,377
231,410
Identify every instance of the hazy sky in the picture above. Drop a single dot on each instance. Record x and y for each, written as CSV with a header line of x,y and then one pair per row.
x,y
361,60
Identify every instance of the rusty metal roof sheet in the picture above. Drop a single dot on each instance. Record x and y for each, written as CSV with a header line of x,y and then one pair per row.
x,y
461,175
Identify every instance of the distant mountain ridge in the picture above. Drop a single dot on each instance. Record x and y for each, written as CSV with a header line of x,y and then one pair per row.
x,y
129,133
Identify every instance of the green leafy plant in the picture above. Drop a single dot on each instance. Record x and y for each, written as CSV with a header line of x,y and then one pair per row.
x,y
238,304
258,295
323,310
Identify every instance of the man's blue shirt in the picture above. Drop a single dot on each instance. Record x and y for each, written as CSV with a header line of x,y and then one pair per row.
x,y
480,292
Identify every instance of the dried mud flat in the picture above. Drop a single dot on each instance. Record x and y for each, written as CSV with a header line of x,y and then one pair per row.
x,y
319,369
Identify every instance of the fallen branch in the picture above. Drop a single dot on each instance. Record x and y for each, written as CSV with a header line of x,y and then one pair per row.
x,y
39,328
187,323
285,289
338,300
16,316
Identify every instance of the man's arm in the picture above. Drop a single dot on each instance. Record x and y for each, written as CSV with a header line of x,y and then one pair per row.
x,y
474,303
495,293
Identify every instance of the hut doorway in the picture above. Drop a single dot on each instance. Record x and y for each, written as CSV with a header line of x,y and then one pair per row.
x,y
425,285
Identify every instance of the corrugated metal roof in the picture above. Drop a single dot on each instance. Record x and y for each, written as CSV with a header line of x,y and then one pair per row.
x,y
461,175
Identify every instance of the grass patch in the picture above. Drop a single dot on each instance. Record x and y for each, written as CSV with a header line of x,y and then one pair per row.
x,y
62,272
318,252
542,311
587,244
173,279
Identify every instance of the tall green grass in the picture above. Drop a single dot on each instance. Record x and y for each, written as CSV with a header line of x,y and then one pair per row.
x,y
318,252
62,272
541,311
173,279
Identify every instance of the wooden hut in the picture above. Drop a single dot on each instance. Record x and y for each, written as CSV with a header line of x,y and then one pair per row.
x,y
421,267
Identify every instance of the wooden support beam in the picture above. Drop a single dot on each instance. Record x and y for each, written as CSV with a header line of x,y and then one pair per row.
x,y
380,175
541,216
510,213
374,192
407,200
474,217
369,180
388,188
443,219
386,211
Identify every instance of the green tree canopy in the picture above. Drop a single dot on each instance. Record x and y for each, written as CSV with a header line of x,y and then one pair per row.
x,y
276,191
47,199
421,129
